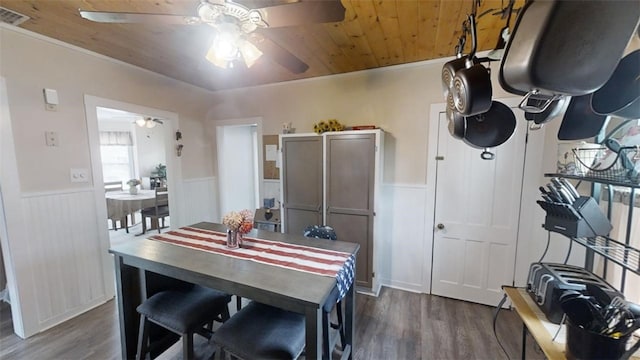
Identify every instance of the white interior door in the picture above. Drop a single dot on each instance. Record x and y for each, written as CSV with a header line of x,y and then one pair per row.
x,y
476,216
238,167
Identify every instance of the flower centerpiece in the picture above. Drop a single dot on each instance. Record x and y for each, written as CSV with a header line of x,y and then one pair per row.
x,y
133,185
238,224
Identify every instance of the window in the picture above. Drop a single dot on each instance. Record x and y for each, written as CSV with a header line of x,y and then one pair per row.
x,y
116,151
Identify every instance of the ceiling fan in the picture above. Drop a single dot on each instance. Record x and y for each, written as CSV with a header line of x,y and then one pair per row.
x,y
148,122
242,33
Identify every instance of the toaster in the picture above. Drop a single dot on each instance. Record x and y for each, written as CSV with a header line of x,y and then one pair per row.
x,y
548,281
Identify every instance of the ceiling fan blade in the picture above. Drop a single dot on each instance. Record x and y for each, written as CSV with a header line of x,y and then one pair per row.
x,y
123,17
278,54
303,12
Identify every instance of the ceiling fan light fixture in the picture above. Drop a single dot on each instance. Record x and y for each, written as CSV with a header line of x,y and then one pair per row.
x,y
147,122
250,53
226,41
209,12
216,60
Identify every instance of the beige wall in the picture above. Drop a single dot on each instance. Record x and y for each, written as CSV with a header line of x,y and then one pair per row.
x,y
30,64
397,99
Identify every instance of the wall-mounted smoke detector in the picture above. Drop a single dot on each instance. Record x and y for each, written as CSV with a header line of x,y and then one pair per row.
x,y
11,17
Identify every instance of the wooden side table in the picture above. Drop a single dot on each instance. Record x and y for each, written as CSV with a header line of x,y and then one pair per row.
x,y
536,324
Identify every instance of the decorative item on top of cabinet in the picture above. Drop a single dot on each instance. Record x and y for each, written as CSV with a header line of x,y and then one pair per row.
x,y
334,179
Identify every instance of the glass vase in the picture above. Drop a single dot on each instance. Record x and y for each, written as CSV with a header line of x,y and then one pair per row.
x,y
234,239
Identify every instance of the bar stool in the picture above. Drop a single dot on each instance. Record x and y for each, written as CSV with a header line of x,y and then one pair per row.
x,y
184,312
260,331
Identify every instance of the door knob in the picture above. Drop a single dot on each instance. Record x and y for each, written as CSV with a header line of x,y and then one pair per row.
x,y
440,226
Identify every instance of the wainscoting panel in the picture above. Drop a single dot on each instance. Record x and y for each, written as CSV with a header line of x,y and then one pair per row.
x,y
66,260
201,200
402,236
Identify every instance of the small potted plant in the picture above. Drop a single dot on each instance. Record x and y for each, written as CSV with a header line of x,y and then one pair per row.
x,y
133,186
161,170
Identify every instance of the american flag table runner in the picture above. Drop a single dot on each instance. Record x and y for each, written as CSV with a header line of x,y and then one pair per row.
x,y
308,259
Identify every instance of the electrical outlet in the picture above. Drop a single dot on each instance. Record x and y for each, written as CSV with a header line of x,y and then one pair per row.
x,y
79,175
51,138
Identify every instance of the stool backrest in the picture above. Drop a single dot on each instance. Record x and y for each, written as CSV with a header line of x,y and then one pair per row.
x,y
320,232
113,186
162,197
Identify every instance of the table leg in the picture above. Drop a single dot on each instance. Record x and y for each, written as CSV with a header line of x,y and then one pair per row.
x,y
350,319
128,296
524,341
313,319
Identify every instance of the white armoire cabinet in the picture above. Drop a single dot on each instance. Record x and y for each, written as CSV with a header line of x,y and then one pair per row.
x,y
335,179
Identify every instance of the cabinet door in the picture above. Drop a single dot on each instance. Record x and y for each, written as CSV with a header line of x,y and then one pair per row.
x,y
350,166
302,182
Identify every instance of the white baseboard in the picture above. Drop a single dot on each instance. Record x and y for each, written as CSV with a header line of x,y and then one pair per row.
x,y
414,288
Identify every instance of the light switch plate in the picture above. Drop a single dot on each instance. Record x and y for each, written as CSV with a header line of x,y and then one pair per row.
x,y
50,99
79,175
51,138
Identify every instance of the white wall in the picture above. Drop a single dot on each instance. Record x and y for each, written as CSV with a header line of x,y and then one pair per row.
x,y
271,189
150,146
73,74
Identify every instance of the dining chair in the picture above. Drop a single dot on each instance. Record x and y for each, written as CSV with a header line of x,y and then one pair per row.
x,y
183,311
333,301
113,186
159,211
260,331
116,186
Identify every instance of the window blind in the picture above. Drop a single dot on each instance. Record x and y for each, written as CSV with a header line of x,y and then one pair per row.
x,y
116,138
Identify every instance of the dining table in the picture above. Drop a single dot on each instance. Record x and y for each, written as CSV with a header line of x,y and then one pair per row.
x,y
144,266
123,203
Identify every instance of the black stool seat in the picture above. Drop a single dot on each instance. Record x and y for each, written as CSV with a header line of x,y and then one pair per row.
x,y
183,312
260,331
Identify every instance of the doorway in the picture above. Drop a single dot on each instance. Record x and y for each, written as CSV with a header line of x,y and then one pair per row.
x,y
239,146
113,123
476,213
131,148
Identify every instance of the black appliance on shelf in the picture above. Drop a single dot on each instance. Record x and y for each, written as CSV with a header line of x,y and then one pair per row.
x,y
548,281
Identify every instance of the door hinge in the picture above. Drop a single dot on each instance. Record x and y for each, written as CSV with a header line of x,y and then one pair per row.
x,y
374,213
439,157
373,274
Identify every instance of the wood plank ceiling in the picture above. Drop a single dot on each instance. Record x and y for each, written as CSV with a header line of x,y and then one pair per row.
x,y
373,34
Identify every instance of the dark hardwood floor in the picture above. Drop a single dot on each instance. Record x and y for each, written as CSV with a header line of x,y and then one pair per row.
x,y
396,325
